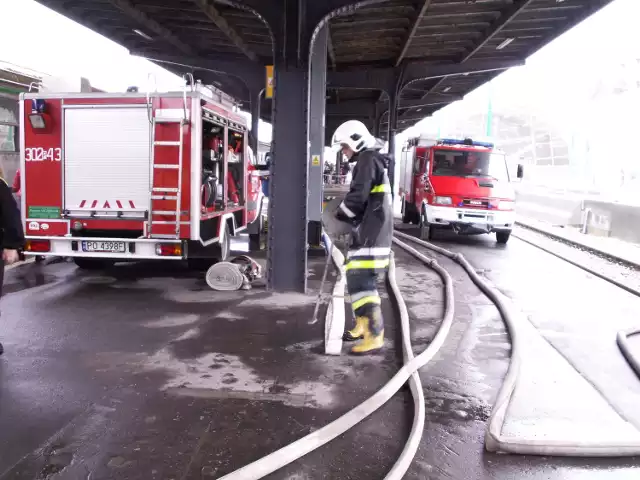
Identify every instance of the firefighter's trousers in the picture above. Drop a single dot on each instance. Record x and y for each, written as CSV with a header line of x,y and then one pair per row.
x,y
365,299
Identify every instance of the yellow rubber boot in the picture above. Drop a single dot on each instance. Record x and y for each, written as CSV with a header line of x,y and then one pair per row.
x,y
370,343
357,332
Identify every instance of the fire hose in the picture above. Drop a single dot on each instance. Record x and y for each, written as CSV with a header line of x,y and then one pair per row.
x,y
494,441
280,458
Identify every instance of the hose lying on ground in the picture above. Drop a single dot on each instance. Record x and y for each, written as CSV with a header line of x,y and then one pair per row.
x,y
335,316
625,348
280,458
494,441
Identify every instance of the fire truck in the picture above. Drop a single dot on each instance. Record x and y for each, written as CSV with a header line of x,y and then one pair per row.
x,y
111,177
457,184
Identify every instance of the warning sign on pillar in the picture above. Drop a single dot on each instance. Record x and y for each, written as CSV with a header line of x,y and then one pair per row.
x,y
268,89
315,160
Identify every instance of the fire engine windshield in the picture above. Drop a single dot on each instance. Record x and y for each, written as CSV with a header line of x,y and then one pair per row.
x,y
457,163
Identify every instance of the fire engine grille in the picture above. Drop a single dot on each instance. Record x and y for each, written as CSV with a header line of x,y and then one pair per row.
x,y
474,202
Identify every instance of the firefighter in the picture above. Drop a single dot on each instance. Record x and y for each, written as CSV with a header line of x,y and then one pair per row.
x,y
11,233
367,207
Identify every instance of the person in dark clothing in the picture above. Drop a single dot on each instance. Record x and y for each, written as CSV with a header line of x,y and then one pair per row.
x,y
367,207
11,232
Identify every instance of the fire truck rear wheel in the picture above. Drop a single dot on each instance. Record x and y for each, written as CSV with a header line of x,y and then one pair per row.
x,y
93,263
406,214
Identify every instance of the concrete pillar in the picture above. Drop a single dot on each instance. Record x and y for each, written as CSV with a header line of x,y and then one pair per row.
x,y
316,137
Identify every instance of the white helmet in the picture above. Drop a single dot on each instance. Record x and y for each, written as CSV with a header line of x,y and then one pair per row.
x,y
354,134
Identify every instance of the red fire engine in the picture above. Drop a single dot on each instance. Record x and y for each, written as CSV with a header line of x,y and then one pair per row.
x,y
462,185
129,176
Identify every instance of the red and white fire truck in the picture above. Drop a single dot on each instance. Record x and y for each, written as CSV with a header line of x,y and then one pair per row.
x,y
129,176
461,185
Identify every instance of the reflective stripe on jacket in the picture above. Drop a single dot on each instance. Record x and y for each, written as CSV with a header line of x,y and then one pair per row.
x,y
368,207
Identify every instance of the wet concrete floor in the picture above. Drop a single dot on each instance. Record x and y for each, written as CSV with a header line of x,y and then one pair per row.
x,y
460,386
144,373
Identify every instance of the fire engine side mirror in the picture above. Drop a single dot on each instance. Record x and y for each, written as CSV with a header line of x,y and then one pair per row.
x,y
520,172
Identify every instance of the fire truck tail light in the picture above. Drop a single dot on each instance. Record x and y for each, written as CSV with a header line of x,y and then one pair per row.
x,y
38,246
169,249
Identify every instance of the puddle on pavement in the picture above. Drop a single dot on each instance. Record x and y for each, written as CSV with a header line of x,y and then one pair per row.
x,y
27,282
217,375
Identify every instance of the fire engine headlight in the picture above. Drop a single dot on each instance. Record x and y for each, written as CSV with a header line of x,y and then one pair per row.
x,y
506,205
442,200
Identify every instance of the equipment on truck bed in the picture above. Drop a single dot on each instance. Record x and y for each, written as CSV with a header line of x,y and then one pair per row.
x,y
109,177
457,184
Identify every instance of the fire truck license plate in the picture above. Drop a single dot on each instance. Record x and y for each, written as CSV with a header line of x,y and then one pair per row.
x,y
111,247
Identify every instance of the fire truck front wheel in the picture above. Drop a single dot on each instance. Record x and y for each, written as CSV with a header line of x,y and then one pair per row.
x,y
426,231
503,237
93,263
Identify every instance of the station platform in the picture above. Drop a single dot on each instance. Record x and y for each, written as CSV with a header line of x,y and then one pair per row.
x,y
143,372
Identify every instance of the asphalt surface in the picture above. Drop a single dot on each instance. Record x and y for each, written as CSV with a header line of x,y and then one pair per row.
x,y
142,372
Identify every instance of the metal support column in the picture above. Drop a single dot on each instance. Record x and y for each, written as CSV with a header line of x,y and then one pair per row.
x,y
378,117
256,97
287,245
316,140
391,136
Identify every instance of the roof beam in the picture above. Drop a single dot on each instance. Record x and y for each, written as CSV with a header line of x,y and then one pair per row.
x,y
362,108
351,108
214,15
497,26
425,72
385,78
412,31
144,20
250,73
488,35
412,118
330,49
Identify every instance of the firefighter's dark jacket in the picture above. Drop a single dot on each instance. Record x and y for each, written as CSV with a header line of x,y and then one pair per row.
x,y
11,233
368,204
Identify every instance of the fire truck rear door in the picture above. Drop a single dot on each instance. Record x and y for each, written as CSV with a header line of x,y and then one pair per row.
x,y
107,160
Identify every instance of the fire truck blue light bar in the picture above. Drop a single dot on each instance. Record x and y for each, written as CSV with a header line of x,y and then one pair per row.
x,y
455,141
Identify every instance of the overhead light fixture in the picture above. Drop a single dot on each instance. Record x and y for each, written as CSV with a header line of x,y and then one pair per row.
x,y
446,89
505,43
142,34
418,109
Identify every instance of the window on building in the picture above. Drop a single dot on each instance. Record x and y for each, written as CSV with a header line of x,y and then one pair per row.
x,y
8,137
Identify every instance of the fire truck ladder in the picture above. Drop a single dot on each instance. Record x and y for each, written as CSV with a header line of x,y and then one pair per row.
x,y
164,192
